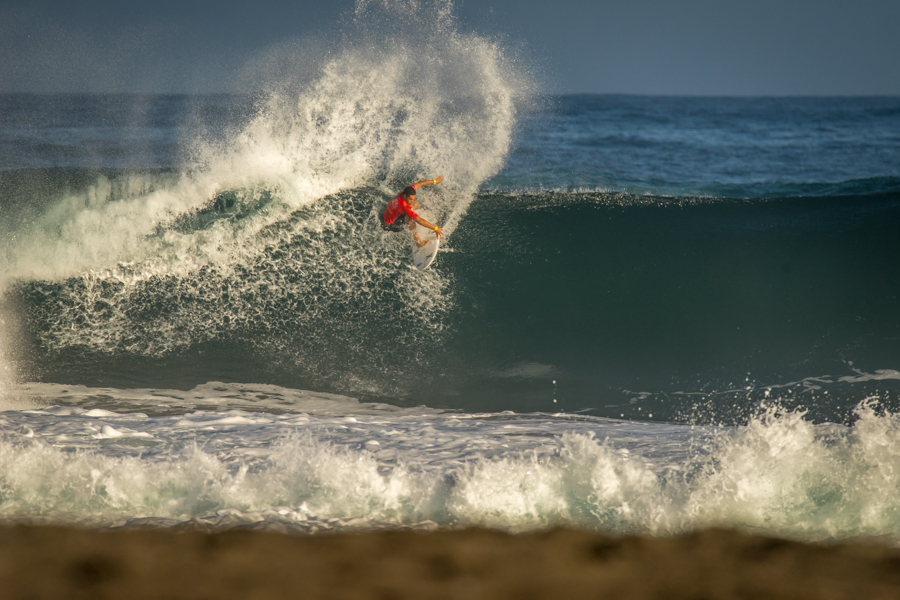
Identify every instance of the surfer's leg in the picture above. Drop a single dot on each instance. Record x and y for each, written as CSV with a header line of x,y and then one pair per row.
x,y
413,226
395,227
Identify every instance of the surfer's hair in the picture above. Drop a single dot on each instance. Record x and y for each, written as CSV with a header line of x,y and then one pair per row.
x,y
409,191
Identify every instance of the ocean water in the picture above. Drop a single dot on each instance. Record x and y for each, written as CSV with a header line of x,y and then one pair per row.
x,y
650,314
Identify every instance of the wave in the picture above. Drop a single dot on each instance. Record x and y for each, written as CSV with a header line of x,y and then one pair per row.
x,y
261,258
607,309
276,217
778,474
626,306
566,181
350,128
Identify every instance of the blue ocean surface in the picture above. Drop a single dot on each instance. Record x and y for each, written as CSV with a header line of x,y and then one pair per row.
x,y
649,315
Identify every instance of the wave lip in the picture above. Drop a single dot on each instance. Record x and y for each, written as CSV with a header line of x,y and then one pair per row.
x,y
563,181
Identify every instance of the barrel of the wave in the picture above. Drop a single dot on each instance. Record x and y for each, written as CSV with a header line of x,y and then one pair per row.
x,y
400,212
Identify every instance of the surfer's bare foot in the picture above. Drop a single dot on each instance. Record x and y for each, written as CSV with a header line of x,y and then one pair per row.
x,y
420,242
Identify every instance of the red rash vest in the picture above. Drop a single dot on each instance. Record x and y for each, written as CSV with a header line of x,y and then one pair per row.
x,y
396,207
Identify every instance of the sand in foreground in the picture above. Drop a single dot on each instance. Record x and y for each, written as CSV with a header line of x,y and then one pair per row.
x,y
54,562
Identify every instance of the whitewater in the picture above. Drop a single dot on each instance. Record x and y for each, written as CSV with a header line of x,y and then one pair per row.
x,y
650,315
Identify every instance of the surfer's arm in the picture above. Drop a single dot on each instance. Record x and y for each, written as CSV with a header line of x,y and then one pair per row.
x,y
419,184
437,230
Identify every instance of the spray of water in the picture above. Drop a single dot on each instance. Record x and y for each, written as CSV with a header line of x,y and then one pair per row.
x,y
272,234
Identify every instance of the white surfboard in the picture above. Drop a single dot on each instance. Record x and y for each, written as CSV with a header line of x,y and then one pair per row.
x,y
423,256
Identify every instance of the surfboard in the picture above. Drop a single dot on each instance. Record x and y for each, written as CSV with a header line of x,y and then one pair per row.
x,y
423,256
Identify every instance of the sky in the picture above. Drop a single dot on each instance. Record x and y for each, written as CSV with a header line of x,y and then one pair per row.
x,y
671,47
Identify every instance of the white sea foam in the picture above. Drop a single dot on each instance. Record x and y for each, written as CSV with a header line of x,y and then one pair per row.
x,y
10,340
212,396
779,474
381,110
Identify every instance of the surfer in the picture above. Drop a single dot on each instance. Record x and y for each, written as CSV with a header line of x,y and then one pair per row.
x,y
401,209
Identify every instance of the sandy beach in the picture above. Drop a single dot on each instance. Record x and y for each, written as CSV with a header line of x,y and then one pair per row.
x,y
53,562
